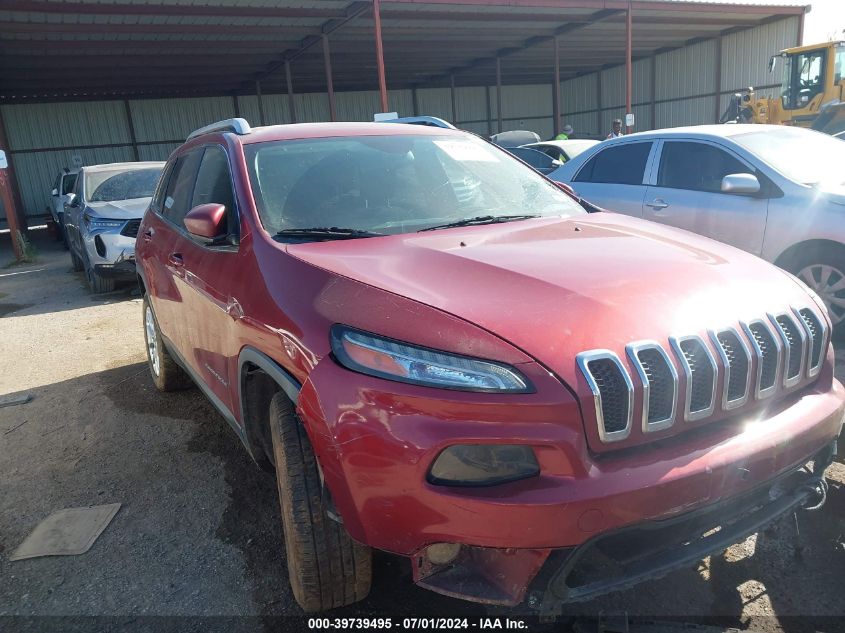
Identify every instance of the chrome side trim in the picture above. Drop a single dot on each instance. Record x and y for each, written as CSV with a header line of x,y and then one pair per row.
x,y
788,351
813,370
676,342
727,405
583,360
633,351
761,393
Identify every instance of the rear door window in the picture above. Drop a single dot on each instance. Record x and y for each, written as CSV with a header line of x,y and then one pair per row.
x,y
620,165
696,166
180,187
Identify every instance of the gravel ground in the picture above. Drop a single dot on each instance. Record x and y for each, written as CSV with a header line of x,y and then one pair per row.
x,y
198,531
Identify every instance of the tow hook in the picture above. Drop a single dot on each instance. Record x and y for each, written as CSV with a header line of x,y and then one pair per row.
x,y
817,494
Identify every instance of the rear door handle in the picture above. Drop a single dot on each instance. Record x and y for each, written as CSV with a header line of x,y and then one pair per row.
x,y
148,234
175,259
657,203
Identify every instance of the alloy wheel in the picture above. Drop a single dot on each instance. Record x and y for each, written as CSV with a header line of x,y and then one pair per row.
x,y
829,283
152,340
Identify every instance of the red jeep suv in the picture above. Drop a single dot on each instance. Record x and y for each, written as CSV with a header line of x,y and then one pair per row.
x,y
443,355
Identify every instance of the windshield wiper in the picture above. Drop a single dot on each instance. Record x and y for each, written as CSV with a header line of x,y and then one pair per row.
x,y
480,219
327,233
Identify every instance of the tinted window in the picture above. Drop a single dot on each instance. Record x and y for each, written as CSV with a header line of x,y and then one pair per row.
x,y
180,187
696,166
68,183
620,165
214,182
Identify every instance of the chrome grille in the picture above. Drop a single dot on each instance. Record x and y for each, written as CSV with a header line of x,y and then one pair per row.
x,y
816,329
660,384
794,342
700,369
763,357
613,393
737,363
767,348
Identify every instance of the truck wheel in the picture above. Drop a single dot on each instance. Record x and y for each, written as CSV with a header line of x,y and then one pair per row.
x,y
823,269
166,373
97,283
327,568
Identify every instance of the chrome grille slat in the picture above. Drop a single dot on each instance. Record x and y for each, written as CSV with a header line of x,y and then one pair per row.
x,y
613,393
700,371
794,341
768,350
660,384
736,361
817,338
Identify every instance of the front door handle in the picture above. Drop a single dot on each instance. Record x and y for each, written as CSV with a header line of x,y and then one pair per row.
x,y
175,260
657,203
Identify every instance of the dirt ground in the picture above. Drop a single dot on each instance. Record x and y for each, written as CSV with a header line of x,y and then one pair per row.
x,y
198,532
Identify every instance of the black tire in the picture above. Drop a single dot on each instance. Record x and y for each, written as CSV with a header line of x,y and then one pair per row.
x,y
75,261
63,231
327,569
818,263
166,373
97,283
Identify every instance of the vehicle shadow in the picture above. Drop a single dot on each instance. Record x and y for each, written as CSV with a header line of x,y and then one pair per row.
x,y
49,284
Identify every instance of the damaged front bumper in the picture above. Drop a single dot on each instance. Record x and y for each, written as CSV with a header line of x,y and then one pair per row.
x,y
620,559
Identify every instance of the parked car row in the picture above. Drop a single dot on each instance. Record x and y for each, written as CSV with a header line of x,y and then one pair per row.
x,y
100,219
443,354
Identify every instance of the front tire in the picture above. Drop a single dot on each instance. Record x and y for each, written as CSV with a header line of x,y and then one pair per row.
x,y
327,569
167,375
97,283
77,263
822,268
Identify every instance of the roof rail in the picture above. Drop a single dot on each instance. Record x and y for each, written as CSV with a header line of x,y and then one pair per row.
x,y
238,126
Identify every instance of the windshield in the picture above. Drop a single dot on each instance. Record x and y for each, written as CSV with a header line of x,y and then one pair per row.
x,y
109,186
804,156
394,184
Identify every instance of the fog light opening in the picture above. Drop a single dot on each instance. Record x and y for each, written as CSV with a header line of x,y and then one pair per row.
x,y
442,553
483,465
100,245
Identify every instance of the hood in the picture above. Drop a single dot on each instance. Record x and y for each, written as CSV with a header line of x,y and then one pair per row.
x,y
834,193
555,287
120,209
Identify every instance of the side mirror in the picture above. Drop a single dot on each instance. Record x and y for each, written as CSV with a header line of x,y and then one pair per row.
x,y
740,184
55,193
72,200
206,220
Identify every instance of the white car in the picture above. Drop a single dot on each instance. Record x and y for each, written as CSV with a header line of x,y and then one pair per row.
x,y
775,191
62,186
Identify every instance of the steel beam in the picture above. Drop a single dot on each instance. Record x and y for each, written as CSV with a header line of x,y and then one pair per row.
x,y
452,95
629,67
499,94
291,100
382,81
556,86
327,60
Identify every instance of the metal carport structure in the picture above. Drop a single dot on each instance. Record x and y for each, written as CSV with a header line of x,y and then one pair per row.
x,y
53,51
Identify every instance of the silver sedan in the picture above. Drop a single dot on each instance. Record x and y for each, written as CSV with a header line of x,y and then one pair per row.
x,y
775,191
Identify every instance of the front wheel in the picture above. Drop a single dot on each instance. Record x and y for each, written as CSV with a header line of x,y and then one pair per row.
x,y
327,569
823,269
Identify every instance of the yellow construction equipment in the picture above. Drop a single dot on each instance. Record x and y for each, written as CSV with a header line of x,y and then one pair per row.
x,y
812,91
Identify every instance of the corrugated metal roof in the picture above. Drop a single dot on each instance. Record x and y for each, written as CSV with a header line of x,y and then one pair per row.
x,y
171,47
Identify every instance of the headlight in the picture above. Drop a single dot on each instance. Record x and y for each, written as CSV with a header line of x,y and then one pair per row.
x,y
483,465
386,358
101,224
